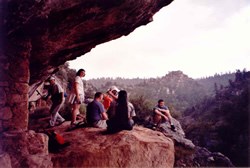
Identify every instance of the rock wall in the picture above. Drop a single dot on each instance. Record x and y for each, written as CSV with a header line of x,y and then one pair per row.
x,y
25,149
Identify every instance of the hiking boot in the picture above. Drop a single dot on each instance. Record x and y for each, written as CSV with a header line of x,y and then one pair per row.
x,y
173,128
73,125
154,126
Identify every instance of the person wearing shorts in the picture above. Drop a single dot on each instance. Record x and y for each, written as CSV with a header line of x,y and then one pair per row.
x,y
96,114
77,97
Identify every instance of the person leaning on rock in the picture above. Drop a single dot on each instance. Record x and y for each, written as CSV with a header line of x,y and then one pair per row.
x,y
56,94
161,113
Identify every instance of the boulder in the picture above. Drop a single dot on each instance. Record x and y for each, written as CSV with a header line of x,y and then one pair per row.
x,y
91,147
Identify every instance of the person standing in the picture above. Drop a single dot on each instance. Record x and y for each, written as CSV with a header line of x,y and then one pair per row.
x,y
57,97
161,113
96,114
77,96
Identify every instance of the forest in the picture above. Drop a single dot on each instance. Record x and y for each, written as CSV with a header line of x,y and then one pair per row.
x,y
213,111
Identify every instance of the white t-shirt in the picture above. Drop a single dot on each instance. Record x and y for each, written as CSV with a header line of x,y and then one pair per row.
x,y
131,110
80,86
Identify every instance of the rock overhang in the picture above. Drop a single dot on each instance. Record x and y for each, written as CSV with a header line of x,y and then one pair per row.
x,y
61,30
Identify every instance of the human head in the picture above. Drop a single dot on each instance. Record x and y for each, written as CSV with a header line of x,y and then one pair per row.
x,y
80,72
114,90
160,102
98,96
52,80
122,97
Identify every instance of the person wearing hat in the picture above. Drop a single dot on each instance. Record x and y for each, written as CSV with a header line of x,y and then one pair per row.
x,y
110,96
56,94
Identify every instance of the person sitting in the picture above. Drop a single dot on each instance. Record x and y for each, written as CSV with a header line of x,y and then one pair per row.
x,y
122,115
96,114
161,113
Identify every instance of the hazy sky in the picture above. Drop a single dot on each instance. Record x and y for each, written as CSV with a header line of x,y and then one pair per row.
x,y
198,37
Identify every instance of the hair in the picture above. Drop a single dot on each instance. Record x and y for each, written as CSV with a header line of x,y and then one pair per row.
x,y
98,94
79,71
160,100
122,106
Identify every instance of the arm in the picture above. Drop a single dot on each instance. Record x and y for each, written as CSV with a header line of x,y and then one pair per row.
x,y
76,90
104,116
112,95
158,112
61,96
164,110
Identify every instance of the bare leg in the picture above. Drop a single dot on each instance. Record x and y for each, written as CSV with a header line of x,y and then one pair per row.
x,y
157,119
169,117
75,111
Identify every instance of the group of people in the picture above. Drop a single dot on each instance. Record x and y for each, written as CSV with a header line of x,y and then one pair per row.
x,y
110,110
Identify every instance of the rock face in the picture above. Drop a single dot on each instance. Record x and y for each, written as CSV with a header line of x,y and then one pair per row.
x,y
26,149
140,147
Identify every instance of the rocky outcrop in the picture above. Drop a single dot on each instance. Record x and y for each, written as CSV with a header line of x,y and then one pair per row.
x,y
26,149
189,155
186,154
90,147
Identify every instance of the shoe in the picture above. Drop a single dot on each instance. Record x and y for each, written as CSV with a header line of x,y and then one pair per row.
x,y
73,125
173,128
154,126
51,124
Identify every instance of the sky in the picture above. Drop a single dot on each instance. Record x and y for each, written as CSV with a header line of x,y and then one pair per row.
x,y
198,37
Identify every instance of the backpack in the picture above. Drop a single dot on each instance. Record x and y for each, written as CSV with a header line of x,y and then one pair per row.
x,y
56,141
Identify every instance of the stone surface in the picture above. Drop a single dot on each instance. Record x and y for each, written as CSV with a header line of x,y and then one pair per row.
x,y
5,113
5,160
26,149
140,147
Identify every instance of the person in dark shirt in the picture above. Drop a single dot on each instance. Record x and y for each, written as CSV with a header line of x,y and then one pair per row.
x,y
56,94
96,114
